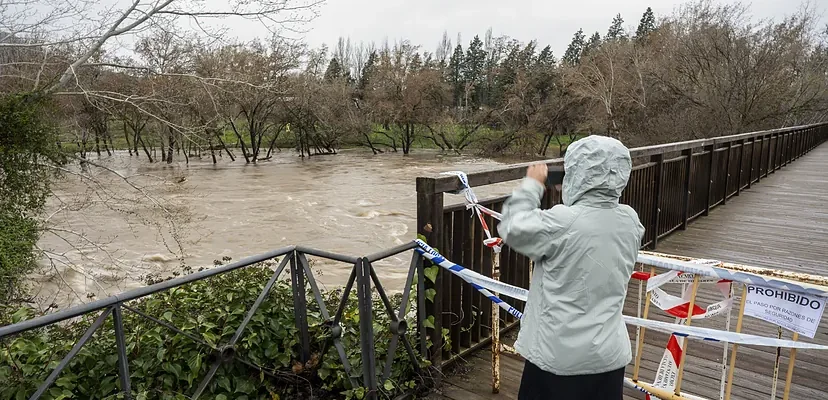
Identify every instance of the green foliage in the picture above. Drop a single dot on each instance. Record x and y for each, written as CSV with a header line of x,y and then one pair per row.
x,y
646,25
616,29
592,44
18,235
572,56
29,153
168,365
456,67
475,61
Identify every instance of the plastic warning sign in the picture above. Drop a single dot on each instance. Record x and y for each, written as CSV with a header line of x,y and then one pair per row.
x,y
793,311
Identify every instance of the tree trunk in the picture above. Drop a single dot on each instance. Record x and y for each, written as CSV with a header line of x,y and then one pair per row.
x,y
144,146
171,146
107,137
371,144
126,137
212,151
229,154
241,142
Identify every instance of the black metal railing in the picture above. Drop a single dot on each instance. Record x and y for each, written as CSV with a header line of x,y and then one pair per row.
x,y
362,275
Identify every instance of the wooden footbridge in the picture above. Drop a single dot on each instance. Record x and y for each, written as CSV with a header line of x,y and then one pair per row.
x,y
757,199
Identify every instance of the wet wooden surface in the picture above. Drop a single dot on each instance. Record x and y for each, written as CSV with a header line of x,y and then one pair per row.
x,y
780,222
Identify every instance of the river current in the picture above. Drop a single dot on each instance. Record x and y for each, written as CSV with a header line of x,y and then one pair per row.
x,y
115,225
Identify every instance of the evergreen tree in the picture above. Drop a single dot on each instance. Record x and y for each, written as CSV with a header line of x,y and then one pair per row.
x,y
367,70
543,73
416,63
455,73
527,56
591,44
572,56
616,29
646,25
507,71
473,68
546,58
334,70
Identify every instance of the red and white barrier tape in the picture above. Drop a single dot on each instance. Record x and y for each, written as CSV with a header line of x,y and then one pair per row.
x,y
679,306
493,242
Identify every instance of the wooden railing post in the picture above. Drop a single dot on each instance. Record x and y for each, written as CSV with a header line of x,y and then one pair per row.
x,y
741,166
788,145
659,172
688,171
727,173
788,139
778,158
769,166
712,151
750,162
797,145
761,153
429,227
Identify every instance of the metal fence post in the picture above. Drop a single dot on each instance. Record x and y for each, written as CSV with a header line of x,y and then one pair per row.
x,y
123,362
300,306
366,327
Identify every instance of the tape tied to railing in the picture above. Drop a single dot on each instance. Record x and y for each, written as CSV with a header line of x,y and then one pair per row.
x,y
483,284
679,307
708,270
493,242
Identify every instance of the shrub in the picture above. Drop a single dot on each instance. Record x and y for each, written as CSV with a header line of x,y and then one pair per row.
x,y
168,365
29,153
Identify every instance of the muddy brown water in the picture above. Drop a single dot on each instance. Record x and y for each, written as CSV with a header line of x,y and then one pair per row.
x,y
353,203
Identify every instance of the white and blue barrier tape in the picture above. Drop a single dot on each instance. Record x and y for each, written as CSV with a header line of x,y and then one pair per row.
x,y
477,281
485,284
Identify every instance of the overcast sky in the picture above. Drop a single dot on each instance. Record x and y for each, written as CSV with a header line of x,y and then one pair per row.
x,y
550,22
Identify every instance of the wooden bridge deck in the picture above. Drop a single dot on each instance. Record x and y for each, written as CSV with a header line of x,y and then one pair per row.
x,y
781,222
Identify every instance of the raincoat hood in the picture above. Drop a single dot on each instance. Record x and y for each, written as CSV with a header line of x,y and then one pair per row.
x,y
597,169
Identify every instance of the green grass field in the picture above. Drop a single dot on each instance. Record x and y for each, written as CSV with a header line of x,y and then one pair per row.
x,y
377,136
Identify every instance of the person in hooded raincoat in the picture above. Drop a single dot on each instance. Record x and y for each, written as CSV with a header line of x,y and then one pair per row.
x,y
572,334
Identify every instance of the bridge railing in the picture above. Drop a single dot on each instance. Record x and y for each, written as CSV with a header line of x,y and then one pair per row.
x,y
670,185
363,279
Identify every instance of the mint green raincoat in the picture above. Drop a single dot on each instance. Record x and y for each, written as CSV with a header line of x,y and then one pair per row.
x,y
584,252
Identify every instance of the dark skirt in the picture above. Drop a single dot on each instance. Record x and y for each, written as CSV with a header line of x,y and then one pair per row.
x,y
537,384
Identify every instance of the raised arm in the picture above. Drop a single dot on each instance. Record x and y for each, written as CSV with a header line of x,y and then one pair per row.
x,y
525,227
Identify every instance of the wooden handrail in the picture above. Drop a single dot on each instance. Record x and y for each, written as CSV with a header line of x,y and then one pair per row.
x,y
512,172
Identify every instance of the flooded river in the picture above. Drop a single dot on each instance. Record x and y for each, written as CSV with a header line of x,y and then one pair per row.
x,y
110,232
